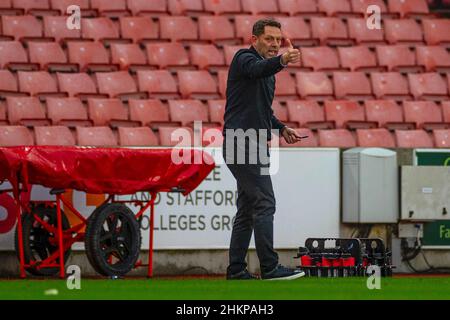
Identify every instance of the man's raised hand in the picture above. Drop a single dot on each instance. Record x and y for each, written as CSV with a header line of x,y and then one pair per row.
x,y
291,55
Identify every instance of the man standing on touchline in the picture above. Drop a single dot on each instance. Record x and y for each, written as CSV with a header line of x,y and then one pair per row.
x,y
249,96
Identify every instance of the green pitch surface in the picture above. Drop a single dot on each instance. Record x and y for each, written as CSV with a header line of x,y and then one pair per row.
x,y
192,289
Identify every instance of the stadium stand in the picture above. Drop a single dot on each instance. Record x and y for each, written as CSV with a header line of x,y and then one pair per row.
x,y
142,58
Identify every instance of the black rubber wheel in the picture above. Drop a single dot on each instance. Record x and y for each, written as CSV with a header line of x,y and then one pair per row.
x,y
113,240
36,244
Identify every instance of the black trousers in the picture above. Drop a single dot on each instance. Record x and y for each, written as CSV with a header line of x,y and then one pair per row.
x,y
255,213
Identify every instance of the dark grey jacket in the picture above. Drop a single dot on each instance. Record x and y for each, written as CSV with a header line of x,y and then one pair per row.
x,y
250,91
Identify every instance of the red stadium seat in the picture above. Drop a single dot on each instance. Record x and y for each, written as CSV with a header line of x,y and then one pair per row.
x,y
436,31
379,137
68,112
37,83
34,7
357,30
285,87
197,85
330,31
54,136
128,56
397,58
222,76
3,119
145,7
441,138
178,28
314,85
446,110
56,27
308,114
425,114
346,114
260,7
50,56
387,113
108,112
171,56
6,9
8,83
296,30
406,31
62,5
206,56
14,57
433,58
77,84
244,24
188,111
140,136
305,8
389,85
352,85
320,58
96,137
428,86
90,56
309,142
117,84
230,51
280,112
360,6
186,7
99,29
151,112
413,139
15,136
339,138
26,111
139,29
173,136
22,28
216,110
358,58
409,8
158,83
110,8
219,36
223,7
335,7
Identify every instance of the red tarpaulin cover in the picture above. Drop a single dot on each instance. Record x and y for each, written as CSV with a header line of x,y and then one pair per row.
x,y
104,170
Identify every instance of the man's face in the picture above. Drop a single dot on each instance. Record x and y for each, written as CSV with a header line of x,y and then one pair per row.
x,y
268,44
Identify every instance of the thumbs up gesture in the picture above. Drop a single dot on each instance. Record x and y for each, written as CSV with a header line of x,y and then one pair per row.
x,y
291,55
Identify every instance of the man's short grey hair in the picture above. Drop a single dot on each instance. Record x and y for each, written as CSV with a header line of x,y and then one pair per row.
x,y
258,27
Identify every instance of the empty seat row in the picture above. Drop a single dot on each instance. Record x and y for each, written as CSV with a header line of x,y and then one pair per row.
x,y
202,85
94,56
105,136
380,137
152,112
323,30
184,137
51,56
99,112
358,86
160,7
372,114
160,83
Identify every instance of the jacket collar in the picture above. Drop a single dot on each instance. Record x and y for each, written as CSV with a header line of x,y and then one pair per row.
x,y
256,52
